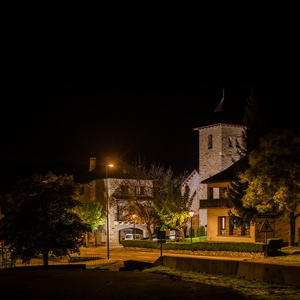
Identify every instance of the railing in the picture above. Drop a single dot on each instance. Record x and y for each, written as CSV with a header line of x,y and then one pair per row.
x,y
213,203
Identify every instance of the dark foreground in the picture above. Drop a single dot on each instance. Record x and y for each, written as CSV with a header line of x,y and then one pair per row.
x,y
22,283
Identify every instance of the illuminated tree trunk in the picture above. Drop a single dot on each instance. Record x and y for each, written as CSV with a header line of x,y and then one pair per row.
x,y
182,234
149,232
87,240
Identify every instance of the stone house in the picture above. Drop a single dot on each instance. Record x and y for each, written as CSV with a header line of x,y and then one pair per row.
x,y
102,182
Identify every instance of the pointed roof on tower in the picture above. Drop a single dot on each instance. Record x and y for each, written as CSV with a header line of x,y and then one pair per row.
x,y
224,113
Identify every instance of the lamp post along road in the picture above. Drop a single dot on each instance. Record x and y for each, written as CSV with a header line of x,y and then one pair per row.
x,y
133,216
191,213
107,211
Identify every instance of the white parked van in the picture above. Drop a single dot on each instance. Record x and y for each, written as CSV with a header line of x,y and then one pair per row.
x,y
129,236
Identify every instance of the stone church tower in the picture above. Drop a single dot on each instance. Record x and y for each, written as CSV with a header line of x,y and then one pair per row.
x,y
219,140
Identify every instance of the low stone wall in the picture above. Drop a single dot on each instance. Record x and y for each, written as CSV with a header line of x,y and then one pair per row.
x,y
245,255
280,274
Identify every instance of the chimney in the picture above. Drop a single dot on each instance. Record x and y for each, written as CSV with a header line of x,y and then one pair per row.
x,y
93,163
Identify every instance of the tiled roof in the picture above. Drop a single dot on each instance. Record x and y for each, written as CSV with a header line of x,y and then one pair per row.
x,y
223,176
100,173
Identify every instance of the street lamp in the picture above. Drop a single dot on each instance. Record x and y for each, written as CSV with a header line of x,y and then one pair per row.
x,y
133,216
191,213
107,211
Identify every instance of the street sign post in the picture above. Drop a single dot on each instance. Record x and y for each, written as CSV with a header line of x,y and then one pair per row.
x,y
161,238
266,227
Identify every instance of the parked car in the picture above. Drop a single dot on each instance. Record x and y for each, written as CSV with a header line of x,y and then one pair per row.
x,y
130,236
154,237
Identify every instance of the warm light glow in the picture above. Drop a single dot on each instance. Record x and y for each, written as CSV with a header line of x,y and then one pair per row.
x,y
110,165
191,213
133,216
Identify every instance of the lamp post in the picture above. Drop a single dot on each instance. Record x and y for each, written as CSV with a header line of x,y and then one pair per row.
x,y
107,211
191,213
133,216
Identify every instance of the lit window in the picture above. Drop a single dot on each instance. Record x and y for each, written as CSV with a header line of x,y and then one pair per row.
x,y
223,225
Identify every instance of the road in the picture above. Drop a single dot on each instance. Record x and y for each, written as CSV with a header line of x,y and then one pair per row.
x,y
120,254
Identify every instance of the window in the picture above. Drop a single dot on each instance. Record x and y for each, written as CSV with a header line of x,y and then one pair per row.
x,y
222,225
140,190
234,229
81,192
210,193
120,212
209,141
230,142
222,192
124,189
247,229
237,143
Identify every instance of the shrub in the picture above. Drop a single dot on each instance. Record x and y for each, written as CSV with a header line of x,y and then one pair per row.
x,y
201,231
191,232
200,246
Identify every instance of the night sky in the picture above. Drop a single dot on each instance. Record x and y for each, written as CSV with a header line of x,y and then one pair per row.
x,y
57,121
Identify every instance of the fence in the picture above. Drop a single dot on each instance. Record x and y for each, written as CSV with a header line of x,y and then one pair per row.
x,y
91,260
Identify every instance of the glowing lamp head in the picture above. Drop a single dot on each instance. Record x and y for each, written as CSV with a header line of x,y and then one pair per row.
x,y
110,165
191,213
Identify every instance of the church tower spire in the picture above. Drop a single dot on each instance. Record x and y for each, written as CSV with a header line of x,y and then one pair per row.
x,y
220,107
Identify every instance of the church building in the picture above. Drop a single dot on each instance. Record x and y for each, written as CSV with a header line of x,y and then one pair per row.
x,y
219,142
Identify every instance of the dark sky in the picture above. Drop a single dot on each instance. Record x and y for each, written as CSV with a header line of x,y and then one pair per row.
x,y
63,119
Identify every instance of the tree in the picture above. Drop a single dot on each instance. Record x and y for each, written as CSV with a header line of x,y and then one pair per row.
x,y
174,210
144,187
91,214
255,129
274,177
41,218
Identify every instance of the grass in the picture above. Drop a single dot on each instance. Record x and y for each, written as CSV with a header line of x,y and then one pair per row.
x,y
250,289
196,239
290,254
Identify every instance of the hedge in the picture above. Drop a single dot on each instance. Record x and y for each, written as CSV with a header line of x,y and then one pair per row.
x,y
201,246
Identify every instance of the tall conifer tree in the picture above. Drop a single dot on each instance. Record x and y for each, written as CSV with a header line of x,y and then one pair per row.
x,y
255,129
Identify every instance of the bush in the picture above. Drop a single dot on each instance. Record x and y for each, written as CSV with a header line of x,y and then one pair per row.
x,y
191,232
200,246
201,231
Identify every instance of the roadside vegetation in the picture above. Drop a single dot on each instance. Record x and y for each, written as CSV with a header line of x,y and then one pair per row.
x,y
250,289
289,254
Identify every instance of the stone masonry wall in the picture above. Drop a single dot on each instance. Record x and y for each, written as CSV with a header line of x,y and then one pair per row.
x,y
221,155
